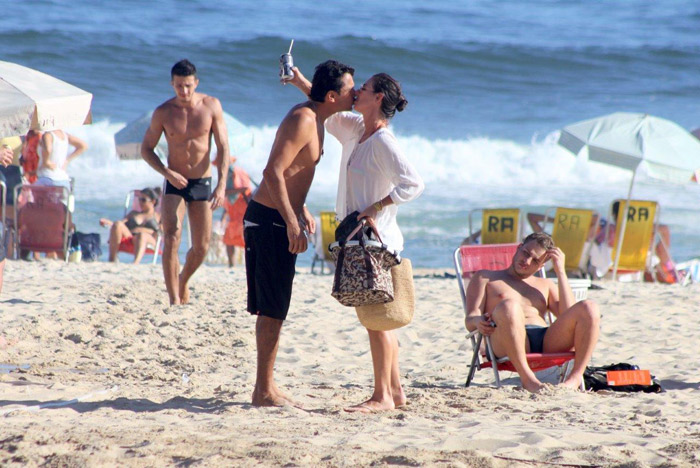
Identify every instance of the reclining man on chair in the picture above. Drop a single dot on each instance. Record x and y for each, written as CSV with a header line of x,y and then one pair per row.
x,y
509,306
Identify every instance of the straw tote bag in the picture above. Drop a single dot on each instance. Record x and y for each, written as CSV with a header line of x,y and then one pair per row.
x,y
362,266
397,313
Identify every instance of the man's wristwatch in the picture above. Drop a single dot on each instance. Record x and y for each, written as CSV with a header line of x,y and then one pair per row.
x,y
378,206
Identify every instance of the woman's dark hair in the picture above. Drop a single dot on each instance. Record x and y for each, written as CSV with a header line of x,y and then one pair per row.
x,y
183,68
150,193
393,100
328,77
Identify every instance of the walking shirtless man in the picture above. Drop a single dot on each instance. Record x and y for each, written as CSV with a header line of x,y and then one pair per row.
x,y
510,305
276,221
188,120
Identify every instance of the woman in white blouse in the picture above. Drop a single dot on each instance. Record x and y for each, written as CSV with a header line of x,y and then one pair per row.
x,y
375,177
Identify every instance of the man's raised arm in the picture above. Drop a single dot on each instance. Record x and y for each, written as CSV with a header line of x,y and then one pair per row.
x,y
561,298
222,154
300,82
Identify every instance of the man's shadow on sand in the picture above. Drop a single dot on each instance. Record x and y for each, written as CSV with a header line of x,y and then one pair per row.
x,y
137,405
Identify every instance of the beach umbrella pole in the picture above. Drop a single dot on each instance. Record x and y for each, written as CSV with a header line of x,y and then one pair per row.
x,y
624,225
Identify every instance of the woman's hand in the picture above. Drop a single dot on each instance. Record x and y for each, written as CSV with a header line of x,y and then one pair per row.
x,y
369,212
105,222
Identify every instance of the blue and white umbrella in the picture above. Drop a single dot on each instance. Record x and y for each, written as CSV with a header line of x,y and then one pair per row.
x,y
664,149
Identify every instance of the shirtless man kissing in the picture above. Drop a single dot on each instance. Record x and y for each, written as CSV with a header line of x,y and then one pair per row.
x,y
276,221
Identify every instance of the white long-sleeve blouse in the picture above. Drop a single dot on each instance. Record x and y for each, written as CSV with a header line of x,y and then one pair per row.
x,y
371,170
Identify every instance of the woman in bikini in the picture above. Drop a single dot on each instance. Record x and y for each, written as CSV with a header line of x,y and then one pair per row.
x,y
137,230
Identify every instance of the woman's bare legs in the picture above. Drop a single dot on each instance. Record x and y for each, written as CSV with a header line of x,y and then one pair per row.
x,y
388,392
117,232
141,242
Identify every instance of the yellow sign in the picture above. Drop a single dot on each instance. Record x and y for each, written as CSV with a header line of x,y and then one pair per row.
x,y
570,232
500,226
638,234
328,225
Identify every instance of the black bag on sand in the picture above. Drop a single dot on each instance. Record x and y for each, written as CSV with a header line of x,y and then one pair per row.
x,y
89,245
596,378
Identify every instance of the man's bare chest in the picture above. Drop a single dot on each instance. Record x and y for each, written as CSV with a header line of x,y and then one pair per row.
x,y
188,126
527,294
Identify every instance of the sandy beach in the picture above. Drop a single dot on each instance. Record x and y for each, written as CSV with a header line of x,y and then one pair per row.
x,y
99,371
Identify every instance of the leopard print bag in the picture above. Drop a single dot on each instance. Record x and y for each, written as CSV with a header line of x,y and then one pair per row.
x,y
362,270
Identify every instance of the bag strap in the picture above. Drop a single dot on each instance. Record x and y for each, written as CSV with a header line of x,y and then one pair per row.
x,y
360,225
373,226
368,262
338,268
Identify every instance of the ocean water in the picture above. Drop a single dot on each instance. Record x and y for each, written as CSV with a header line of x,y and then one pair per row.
x,y
489,85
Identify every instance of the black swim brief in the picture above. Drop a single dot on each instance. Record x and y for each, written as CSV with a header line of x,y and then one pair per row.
x,y
269,265
535,335
196,190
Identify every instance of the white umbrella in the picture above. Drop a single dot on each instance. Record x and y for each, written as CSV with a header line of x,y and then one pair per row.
x,y
128,139
30,99
666,150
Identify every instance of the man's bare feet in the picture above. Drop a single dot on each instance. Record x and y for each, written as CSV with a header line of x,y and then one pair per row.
x,y
533,387
275,398
570,382
372,406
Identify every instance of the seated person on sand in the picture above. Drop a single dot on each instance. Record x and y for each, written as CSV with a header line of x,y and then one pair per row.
x,y
510,305
137,230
